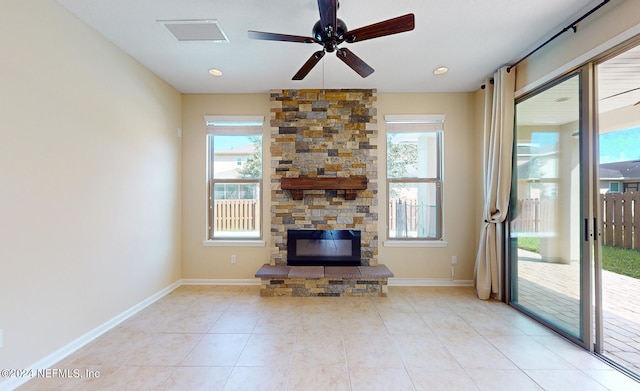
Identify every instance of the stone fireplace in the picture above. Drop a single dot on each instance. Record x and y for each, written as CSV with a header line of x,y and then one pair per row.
x,y
317,135
324,187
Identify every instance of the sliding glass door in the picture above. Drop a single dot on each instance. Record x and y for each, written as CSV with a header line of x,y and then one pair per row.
x,y
551,229
618,273
574,228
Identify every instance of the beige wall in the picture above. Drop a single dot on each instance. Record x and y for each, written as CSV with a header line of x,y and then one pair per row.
x,y
199,262
616,22
460,183
90,216
459,193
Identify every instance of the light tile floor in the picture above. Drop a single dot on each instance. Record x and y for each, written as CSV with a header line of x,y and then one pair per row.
x,y
418,338
552,290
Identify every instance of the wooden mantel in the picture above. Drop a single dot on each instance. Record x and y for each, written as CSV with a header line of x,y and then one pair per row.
x,y
350,185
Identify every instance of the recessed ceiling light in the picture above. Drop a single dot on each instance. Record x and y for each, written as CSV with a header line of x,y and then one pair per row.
x,y
440,70
215,72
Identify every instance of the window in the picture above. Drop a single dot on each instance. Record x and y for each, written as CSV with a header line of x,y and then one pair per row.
x,y
414,176
614,187
234,169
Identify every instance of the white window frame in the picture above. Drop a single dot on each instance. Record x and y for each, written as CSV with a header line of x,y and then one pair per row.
x,y
232,125
419,123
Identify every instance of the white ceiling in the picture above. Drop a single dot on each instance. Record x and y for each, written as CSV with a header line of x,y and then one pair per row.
x,y
619,80
472,37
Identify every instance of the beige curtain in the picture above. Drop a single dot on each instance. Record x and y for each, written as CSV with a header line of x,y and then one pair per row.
x,y
498,146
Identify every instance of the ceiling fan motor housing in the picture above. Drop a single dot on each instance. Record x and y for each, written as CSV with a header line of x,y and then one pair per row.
x,y
329,38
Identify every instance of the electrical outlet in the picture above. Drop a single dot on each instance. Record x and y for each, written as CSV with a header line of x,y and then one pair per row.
x,y
233,259
454,260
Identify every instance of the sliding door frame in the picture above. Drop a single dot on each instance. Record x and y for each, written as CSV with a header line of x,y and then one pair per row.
x,y
598,345
591,195
588,195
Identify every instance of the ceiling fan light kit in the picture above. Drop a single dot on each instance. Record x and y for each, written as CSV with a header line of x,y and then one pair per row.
x,y
330,32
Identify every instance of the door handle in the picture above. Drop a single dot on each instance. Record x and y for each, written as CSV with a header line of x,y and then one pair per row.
x,y
586,230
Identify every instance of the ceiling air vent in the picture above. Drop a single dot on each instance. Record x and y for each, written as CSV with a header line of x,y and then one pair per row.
x,y
196,30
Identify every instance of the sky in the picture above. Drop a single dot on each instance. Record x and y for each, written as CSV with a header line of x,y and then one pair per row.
x,y
620,146
226,142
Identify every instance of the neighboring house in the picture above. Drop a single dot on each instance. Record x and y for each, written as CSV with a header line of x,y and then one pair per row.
x,y
228,161
619,177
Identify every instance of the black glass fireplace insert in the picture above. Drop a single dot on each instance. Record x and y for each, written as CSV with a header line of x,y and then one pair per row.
x,y
323,247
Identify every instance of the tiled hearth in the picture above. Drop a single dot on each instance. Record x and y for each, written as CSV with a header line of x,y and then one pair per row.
x,y
305,281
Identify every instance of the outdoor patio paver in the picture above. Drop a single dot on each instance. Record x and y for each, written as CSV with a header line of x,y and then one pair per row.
x,y
621,306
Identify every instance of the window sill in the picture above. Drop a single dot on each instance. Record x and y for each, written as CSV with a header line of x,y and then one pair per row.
x,y
234,243
415,243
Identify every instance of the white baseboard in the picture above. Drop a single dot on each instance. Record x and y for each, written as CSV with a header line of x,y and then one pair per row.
x,y
220,281
428,282
392,282
50,360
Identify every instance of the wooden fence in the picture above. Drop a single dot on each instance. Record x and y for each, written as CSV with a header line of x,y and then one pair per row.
x,y
620,225
534,216
411,219
236,215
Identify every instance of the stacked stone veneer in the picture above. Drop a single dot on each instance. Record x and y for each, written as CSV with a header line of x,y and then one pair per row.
x,y
324,133
278,280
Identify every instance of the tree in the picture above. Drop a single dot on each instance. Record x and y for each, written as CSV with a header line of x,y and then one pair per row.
x,y
400,157
252,168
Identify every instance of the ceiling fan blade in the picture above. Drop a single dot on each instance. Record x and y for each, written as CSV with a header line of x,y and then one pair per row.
x,y
328,13
620,93
391,26
311,62
361,67
280,37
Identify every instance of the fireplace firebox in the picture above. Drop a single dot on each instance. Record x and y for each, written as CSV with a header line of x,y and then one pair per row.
x,y
323,247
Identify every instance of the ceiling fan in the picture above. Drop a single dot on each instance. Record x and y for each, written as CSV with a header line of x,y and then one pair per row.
x,y
330,32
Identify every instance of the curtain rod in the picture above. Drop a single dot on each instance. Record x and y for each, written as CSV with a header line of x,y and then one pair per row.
x,y
573,26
